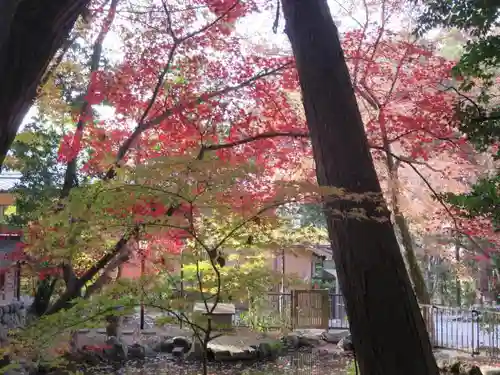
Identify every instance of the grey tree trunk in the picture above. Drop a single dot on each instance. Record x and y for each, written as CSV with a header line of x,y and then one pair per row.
x,y
388,331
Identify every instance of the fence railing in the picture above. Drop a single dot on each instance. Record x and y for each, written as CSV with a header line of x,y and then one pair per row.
x,y
476,331
338,314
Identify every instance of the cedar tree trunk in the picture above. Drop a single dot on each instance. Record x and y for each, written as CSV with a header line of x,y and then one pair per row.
x,y
31,31
387,328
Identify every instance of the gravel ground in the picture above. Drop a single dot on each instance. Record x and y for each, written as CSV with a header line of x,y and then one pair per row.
x,y
296,364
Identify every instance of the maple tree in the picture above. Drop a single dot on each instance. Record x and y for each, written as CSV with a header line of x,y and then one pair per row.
x,y
407,104
221,264
409,118
225,102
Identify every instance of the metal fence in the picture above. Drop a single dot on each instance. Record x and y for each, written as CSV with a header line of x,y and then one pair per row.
x,y
476,331
338,314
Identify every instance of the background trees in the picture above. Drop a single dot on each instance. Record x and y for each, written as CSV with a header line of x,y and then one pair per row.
x,y
477,109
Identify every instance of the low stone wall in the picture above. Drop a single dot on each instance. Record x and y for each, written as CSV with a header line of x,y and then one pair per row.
x,y
12,316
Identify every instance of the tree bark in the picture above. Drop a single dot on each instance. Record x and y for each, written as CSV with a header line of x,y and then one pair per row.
x,y
31,31
415,272
387,328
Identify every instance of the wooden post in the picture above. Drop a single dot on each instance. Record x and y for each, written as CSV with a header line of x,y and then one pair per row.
x,y
325,309
143,268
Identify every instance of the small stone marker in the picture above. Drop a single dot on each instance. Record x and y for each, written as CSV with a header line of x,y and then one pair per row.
x,y
147,332
222,315
178,352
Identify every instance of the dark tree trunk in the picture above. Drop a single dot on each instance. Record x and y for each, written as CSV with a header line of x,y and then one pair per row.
x,y
31,31
387,328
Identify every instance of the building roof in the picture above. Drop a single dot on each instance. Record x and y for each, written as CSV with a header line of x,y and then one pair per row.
x,y
320,250
8,180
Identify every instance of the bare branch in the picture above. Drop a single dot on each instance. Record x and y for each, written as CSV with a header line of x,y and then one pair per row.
x,y
254,138
444,205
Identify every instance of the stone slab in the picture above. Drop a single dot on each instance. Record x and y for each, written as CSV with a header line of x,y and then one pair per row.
x,y
220,309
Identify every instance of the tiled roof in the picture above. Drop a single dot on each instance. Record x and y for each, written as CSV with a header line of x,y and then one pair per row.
x,y
8,180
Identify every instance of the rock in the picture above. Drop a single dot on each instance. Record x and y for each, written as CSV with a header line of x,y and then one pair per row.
x,y
4,334
221,355
311,340
291,341
334,337
459,368
86,355
346,344
118,350
183,342
330,350
15,307
264,350
473,370
196,351
490,370
165,346
275,348
136,351
148,332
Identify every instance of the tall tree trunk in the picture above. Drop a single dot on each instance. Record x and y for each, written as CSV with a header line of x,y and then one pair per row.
x,y
31,31
416,275
388,331
414,270
458,284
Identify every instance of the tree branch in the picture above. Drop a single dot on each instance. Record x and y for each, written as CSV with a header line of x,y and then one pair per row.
x,y
125,147
70,178
106,277
70,294
292,134
443,204
68,42
143,125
